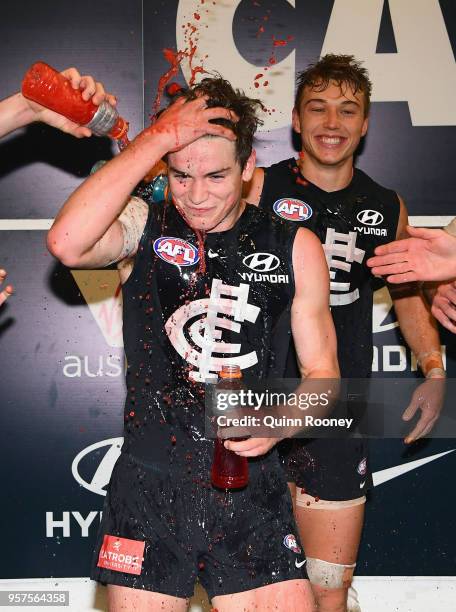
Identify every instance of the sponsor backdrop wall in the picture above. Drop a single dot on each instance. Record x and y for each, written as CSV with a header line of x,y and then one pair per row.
x,y
61,361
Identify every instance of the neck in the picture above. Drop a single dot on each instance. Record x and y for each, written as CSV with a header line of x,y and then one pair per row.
x,y
328,178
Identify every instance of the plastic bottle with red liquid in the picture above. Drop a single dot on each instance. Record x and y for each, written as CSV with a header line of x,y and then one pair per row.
x,y
46,86
229,470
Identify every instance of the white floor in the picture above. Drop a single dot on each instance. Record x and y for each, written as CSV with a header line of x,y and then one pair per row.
x,y
376,594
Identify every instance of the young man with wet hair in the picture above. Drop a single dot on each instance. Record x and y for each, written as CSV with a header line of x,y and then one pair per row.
x,y
190,308
351,214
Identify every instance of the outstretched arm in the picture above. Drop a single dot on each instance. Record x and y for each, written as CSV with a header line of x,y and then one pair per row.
x,y
428,255
420,332
17,111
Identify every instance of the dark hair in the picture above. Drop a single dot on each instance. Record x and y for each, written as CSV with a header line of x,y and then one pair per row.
x,y
221,93
343,70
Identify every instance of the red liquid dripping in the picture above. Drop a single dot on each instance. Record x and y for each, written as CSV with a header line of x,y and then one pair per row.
x,y
174,59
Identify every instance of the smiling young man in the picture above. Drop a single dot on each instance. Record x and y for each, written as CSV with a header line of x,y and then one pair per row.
x,y
351,214
187,311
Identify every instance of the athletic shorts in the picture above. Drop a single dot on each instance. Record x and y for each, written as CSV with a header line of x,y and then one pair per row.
x,y
331,469
162,530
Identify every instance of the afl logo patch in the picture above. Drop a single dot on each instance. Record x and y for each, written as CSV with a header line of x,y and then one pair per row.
x,y
362,467
292,209
176,251
290,542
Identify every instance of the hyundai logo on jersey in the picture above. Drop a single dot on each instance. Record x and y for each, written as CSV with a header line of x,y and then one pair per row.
x,y
176,251
292,209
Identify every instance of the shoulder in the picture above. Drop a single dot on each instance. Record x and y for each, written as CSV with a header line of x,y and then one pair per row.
x,y
382,192
280,167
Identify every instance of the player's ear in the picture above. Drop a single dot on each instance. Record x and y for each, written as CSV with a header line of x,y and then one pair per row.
x,y
295,121
249,167
365,126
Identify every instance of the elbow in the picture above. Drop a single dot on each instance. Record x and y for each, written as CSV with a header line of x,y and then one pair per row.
x,y
60,249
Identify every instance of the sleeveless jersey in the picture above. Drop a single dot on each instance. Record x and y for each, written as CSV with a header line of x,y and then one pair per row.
x,y
189,309
350,223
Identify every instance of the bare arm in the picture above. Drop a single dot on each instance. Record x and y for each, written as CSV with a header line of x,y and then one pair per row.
x,y
311,321
420,332
16,111
87,232
312,327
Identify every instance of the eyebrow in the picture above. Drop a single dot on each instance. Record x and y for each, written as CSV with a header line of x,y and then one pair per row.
x,y
323,101
213,172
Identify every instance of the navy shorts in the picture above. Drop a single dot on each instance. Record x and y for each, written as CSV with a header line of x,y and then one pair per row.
x,y
162,529
331,469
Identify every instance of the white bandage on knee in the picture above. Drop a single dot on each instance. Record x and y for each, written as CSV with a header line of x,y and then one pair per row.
x,y
329,575
303,500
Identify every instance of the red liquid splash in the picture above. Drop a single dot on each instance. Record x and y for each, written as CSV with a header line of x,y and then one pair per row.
x,y
174,59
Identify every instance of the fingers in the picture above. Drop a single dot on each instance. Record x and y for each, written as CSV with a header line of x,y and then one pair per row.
x,y
443,307
90,88
253,447
406,277
422,428
398,246
4,295
423,232
411,409
219,130
389,259
443,319
73,76
218,112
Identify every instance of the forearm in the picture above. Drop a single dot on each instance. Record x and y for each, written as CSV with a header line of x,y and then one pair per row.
x,y
92,209
14,113
419,329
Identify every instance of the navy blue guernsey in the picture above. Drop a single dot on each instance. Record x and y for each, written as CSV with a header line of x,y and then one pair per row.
x,y
189,309
350,223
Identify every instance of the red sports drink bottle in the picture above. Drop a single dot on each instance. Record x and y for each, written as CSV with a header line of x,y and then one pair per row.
x,y
46,86
229,470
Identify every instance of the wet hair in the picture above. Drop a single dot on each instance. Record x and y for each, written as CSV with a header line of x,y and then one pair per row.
x,y
343,70
221,93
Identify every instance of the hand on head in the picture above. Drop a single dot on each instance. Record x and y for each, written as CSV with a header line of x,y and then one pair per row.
x,y
185,121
